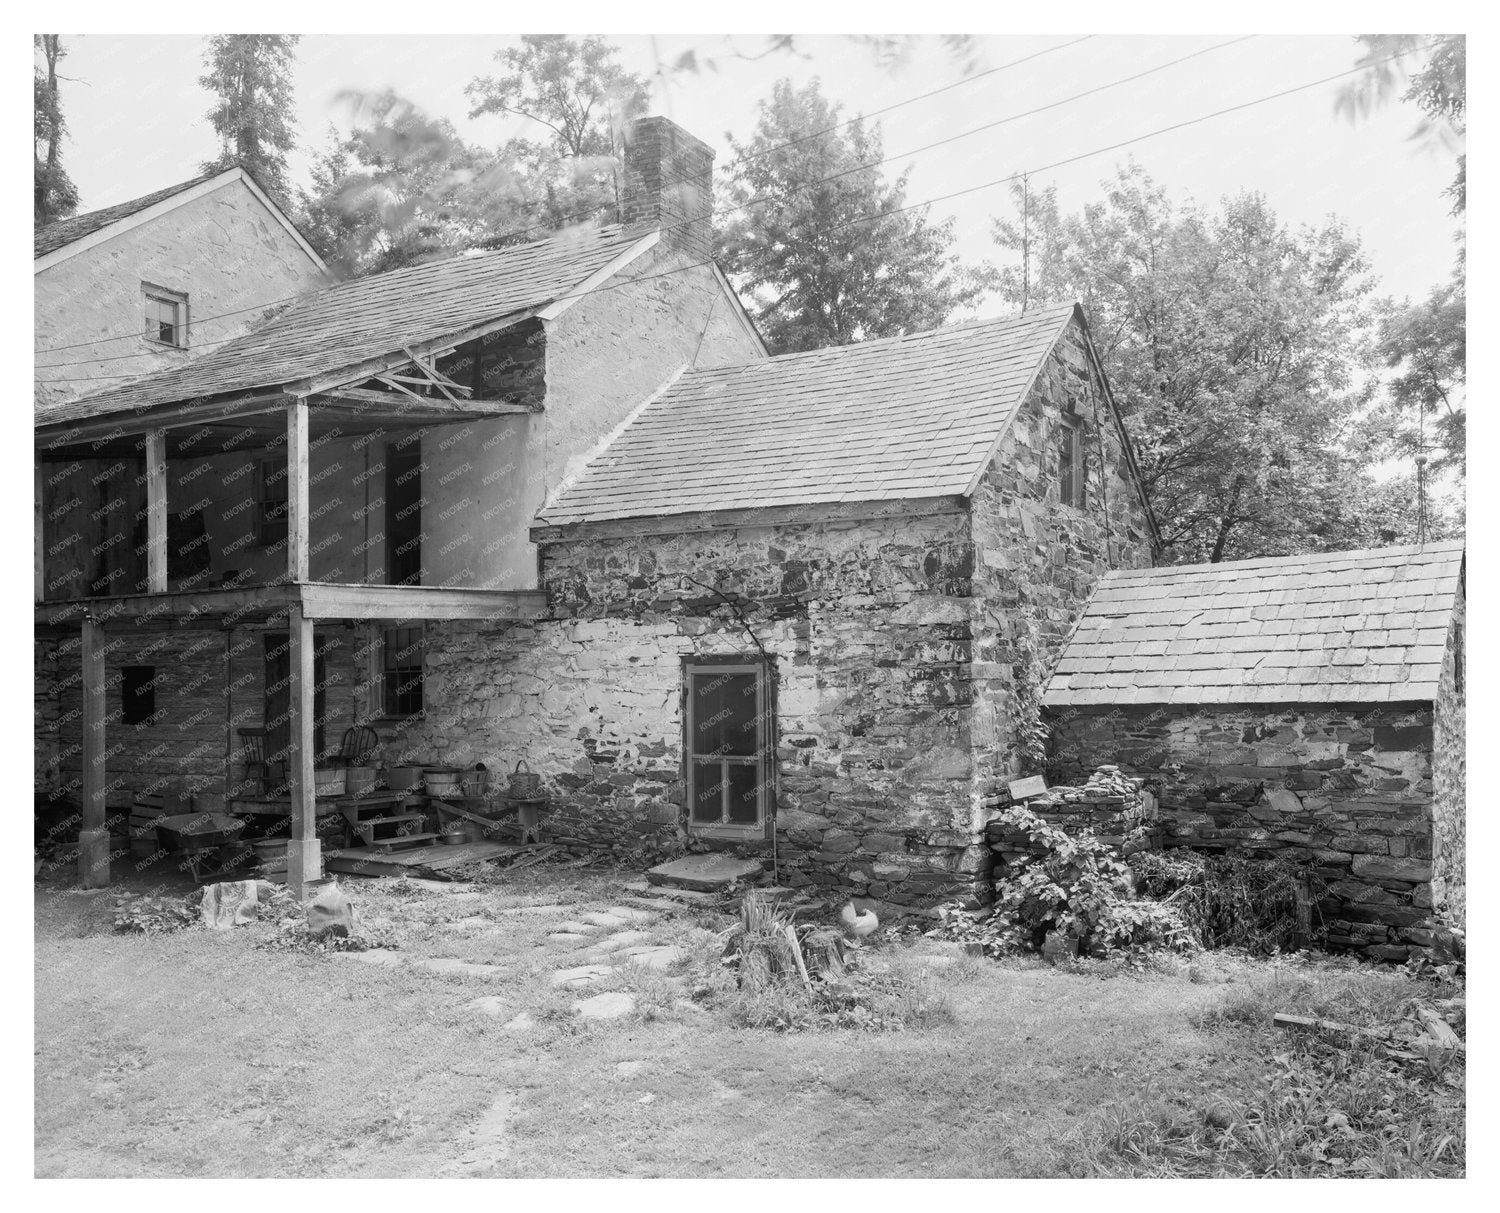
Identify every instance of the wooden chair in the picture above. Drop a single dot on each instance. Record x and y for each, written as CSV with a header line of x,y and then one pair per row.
x,y
360,741
253,755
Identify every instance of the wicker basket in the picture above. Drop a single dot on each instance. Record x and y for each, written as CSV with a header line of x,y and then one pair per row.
x,y
525,784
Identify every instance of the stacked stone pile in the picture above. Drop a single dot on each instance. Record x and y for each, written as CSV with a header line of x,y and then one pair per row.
x,y
1109,803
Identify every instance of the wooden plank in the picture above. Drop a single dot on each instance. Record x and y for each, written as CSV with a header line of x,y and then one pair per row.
x,y
93,840
250,602
322,600
296,491
53,435
302,850
156,511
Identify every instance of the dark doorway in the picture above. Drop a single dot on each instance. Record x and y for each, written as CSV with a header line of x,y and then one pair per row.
x,y
403,513
278,720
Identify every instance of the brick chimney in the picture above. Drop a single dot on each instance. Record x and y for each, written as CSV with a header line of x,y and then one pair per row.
x,y
669,184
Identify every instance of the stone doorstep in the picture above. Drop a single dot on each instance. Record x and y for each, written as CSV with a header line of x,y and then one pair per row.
x,y
709,873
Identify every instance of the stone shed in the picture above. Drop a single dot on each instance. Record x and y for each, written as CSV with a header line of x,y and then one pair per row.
x,y
801,607
1306,706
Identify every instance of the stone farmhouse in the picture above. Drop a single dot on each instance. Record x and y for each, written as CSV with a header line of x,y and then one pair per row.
x,y
556,504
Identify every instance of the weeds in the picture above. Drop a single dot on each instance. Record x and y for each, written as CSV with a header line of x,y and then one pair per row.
x,y
1324,1108
1233,901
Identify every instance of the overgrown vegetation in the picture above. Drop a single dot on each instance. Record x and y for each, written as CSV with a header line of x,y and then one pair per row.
x,y
1075,886
1233,901
1324,1107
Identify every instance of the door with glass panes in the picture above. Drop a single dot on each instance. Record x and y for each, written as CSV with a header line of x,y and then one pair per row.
x,y
729,746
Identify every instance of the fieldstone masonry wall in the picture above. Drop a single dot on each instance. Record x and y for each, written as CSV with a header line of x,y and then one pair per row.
x,y
867,626
1037,559
1348,790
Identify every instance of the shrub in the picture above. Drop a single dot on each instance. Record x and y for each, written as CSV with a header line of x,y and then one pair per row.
x,y
1077,885
1233,901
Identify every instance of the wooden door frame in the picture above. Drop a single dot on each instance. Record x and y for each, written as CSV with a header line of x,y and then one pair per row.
x,y
764,669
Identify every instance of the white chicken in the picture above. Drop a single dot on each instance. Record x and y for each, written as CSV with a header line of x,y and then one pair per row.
x,y
858,923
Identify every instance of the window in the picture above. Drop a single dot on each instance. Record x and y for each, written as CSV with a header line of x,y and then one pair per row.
x,y
166,316
270,501
401,671
1070,468
138,694
729,746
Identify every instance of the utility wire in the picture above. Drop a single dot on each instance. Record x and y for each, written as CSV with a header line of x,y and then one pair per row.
x,y
863,219
666,184
753,202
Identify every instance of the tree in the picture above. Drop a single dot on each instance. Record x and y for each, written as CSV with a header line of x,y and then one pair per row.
x,y
1438,88
251,76
577,92
1234,351
1424,344
822,243
56,195
403,188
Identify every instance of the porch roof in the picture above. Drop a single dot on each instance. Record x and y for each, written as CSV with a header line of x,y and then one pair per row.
x,y
346,326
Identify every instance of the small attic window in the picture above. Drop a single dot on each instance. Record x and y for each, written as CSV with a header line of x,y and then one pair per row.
x,y
166,316
1070,477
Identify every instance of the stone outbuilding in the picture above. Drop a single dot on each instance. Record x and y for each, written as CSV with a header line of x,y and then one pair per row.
x,y
802,607
1306,706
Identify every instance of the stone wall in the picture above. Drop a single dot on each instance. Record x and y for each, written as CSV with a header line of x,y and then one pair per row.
x,y
1449,831
1037,559
1346,789
224,250
866,623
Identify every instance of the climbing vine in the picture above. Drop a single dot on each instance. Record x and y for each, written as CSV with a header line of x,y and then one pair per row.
x,y
1026,694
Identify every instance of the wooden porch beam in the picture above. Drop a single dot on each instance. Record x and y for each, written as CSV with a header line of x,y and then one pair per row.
x,y
303,852
296,491
56,435
93,838
156,511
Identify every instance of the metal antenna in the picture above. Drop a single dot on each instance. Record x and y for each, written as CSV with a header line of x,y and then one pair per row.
x,y
1025,240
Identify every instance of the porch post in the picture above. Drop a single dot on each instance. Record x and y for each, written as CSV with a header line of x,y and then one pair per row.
x,y
304,860
93,838
296,491
156,511
38,547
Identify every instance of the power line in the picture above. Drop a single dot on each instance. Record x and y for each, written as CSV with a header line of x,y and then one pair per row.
x,y
590,213
800,188
972,189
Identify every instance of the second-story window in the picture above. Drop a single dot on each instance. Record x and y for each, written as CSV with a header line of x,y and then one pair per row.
x,y
166,316
270,501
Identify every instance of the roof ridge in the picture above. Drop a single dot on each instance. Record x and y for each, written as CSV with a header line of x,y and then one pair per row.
x,y
1051,312
1298,558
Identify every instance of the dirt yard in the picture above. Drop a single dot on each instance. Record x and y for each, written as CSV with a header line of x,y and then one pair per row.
x,y
210,1054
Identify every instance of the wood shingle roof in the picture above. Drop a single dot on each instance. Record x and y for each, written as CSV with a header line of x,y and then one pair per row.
x,y
369,318
902,417
1342,627
57,235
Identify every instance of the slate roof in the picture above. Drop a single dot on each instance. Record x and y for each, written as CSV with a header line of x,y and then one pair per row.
x,y
1344,627
55,235
901,417
344,325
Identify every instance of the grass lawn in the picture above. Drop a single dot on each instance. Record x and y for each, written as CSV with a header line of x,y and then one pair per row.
x,y
198,1053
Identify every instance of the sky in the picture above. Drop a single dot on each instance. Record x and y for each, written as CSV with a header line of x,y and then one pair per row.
x,y
136,118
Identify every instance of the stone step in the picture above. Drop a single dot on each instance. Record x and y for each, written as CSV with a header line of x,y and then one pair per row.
x,y
710,873
402,840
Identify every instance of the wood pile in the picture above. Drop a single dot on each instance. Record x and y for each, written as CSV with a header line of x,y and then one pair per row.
x,y
1111,804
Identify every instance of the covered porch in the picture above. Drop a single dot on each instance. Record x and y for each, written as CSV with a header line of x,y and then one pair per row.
x,y
284,427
